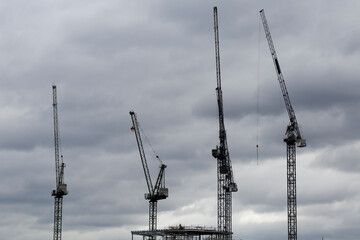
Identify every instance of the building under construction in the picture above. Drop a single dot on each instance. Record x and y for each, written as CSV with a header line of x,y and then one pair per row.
x,y
182,232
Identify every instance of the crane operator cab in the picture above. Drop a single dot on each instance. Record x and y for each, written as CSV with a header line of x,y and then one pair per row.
x,y
61,191
301,142
162,193
216,153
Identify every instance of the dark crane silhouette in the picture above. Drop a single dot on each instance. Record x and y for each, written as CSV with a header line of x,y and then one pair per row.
x,y
225,180
293,138
61,187
157,192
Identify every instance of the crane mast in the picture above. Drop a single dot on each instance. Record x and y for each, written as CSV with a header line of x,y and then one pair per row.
x,y
61,187
157,192
225,180
293,139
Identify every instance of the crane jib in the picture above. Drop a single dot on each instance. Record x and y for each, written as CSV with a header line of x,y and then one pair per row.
x,y
293,128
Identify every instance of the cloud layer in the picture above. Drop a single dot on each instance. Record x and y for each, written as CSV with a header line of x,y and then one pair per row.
x,y
157,58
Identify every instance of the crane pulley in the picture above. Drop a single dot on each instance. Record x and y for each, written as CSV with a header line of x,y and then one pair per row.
x,y
157,192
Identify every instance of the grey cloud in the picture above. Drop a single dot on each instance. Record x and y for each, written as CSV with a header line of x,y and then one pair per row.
x,y
157,58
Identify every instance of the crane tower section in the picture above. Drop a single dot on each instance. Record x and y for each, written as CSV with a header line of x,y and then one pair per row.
x,y
157,192
225,180
61,187
293,139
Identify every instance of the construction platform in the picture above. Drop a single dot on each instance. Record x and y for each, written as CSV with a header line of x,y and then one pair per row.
x,y
182,233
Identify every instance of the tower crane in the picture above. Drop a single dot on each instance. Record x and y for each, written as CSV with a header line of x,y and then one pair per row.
x,y
225,180
61,187
157,192
293,139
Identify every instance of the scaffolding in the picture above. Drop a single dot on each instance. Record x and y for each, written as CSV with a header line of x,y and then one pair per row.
x,y
181,233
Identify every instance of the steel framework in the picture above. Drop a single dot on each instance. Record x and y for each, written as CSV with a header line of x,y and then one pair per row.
x,y
181,233
225,180
291,190
157,192
61,187
58,217
293,138
152,214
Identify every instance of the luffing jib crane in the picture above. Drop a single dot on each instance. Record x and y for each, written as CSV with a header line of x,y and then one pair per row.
x,y
157,192
225,180
293,139
61,187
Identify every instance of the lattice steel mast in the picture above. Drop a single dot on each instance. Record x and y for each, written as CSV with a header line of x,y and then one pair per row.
x,y
293,138
157,192
61,187
225,180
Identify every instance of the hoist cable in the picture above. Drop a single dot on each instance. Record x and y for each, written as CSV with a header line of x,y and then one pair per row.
x,y
258,95
147,140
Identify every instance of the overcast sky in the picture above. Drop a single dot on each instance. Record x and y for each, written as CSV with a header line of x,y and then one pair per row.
x,y
158,59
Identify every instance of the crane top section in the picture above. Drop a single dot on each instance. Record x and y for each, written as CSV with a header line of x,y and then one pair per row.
x,y
159,191
293,131
61,187
222,132
221,152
